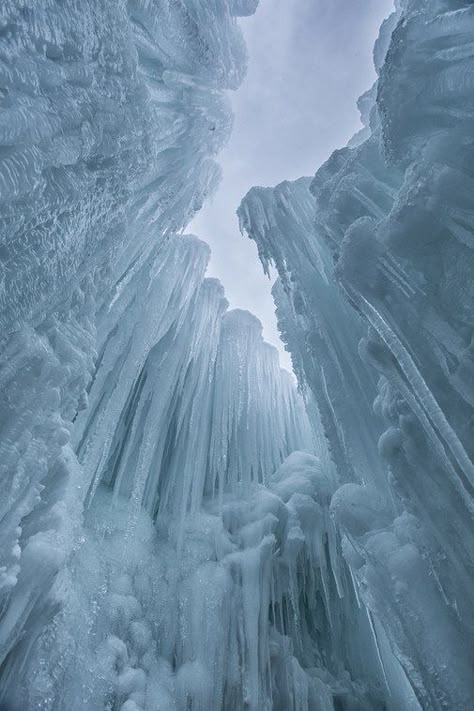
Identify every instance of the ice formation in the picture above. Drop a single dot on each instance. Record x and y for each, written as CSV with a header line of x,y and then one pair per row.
x,y
375,254
181,528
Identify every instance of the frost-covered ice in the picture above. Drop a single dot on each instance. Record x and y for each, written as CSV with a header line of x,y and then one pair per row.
x,y
180,527
386,227
210,612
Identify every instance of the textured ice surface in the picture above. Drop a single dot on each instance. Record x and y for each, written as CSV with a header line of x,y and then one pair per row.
x,y
394,212
180,528
145,555
111,114
237,605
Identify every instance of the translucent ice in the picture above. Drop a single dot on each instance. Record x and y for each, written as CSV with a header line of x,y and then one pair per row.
x,y
386,227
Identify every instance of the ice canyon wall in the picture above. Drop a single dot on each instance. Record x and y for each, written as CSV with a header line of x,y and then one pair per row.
x,y
374,256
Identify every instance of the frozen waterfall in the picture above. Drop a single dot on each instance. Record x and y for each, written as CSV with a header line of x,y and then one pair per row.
x,y
374,255
183,526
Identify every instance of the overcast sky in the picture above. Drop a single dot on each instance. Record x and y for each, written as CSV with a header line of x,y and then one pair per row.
x,y
309,61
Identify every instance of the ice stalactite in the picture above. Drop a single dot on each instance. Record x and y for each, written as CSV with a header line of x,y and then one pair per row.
x,y
167,571
327,358
395,213
249,408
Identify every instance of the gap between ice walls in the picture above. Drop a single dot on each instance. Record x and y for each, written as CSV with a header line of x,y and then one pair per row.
x,y
375,302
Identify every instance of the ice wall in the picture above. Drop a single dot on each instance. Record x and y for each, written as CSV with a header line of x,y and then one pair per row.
x,y
307,303
107,136
394,212
169,547
111,115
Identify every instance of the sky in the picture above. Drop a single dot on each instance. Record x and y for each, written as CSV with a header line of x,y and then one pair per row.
x,y
309,61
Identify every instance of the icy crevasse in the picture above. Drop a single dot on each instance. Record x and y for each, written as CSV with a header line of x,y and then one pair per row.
x,y
148,522
394,212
